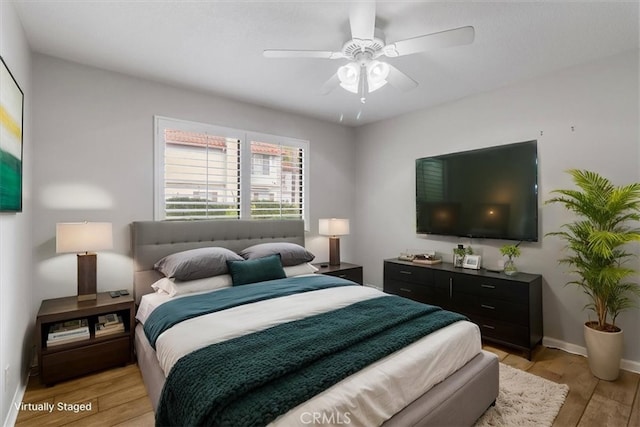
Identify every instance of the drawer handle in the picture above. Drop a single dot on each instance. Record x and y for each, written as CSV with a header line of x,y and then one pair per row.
x,y
488,307
488,286
405,290
488,326
405,272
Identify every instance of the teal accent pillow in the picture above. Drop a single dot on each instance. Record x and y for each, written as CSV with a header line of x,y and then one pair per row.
x,y
256,270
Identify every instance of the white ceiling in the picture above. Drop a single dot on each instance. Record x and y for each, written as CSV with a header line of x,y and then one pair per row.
x,y
216,46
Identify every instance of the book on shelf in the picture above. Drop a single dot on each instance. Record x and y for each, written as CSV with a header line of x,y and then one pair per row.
x,y
109,319
69,328
108,327
66,340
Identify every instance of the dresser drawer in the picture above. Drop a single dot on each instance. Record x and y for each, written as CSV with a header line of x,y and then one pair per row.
x,y
408,290
491,308
513,292
504,332
408,273
428,294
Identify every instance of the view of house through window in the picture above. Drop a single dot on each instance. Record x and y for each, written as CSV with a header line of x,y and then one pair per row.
x,y
201,175
276,181
207,172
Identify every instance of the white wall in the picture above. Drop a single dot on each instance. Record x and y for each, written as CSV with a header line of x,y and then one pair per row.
x,y
600,102
16,308
94,161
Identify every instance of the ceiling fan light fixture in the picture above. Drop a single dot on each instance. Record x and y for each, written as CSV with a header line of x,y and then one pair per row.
x,y
365,74
377,73
349,76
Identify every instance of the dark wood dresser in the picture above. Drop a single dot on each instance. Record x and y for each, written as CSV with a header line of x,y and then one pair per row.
x,y
508,309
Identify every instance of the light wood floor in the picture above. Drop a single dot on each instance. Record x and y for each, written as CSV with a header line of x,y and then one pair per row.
x,y
118,396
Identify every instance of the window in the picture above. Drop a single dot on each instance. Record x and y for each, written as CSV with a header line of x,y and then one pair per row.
x,y
204,172
277,187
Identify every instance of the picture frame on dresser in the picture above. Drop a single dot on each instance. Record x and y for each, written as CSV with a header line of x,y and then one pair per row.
x,y
473,262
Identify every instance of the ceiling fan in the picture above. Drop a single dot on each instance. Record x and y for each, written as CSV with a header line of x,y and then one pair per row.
x,y
365,73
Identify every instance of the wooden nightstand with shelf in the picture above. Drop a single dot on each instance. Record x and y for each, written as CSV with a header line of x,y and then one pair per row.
x,y
344,270
65,361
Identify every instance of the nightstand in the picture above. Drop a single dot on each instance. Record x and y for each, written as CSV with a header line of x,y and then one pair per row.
x,y
64,361
344,270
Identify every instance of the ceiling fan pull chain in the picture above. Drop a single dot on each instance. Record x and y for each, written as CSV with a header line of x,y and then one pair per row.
x,y
363,83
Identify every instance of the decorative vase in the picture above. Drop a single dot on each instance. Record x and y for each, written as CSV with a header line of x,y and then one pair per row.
x,y
604,351
510,268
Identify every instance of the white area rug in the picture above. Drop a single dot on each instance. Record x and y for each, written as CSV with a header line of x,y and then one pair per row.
x,y
524,400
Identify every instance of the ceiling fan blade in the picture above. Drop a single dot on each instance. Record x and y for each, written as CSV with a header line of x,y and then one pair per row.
x,y
400,80
284,53
330,84
447,38
362,18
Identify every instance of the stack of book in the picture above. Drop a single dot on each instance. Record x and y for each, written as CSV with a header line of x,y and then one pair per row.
x,y
426,259
109,324
67,332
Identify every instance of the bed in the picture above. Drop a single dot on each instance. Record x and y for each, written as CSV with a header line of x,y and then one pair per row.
x,y
441,379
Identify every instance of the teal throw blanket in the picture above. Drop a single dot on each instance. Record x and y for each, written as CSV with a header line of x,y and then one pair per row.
x,y
251,380
180,309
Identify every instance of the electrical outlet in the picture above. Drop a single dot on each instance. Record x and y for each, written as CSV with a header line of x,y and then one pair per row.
x,y
6,378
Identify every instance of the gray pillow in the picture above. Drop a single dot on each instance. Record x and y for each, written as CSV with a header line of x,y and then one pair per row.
x,y
290,253
196,263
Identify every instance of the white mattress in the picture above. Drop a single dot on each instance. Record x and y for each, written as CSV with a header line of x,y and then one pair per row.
x,y
368,397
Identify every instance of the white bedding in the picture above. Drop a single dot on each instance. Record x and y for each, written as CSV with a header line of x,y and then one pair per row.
x,y
395,381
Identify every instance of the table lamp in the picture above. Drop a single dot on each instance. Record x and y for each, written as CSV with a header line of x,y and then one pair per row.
x,y
83,238
334,227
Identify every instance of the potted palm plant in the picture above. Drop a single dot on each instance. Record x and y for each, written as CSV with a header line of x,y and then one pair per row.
x,y
597,254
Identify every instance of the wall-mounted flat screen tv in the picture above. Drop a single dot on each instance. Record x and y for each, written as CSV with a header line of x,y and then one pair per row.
x,y
488,193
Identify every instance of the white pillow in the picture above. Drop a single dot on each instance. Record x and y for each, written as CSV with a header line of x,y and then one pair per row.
x,y
176,287
297,270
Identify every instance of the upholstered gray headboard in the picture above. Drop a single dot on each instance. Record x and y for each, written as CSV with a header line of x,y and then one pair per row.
x,y
153,240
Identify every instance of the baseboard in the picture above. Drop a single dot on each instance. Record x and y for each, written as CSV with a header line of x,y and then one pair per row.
x,y
12,415
627,365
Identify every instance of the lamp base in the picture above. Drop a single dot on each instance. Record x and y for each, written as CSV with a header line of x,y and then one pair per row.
x,y
87,277
334,251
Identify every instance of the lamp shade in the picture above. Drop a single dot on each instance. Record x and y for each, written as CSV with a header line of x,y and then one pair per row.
x,y
349,76
377,73
83,236
334,227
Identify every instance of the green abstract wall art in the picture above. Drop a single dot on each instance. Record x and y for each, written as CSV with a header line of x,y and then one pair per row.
x,y
11,112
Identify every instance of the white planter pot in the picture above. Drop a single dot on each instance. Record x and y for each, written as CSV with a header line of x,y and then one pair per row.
x,y
605,352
